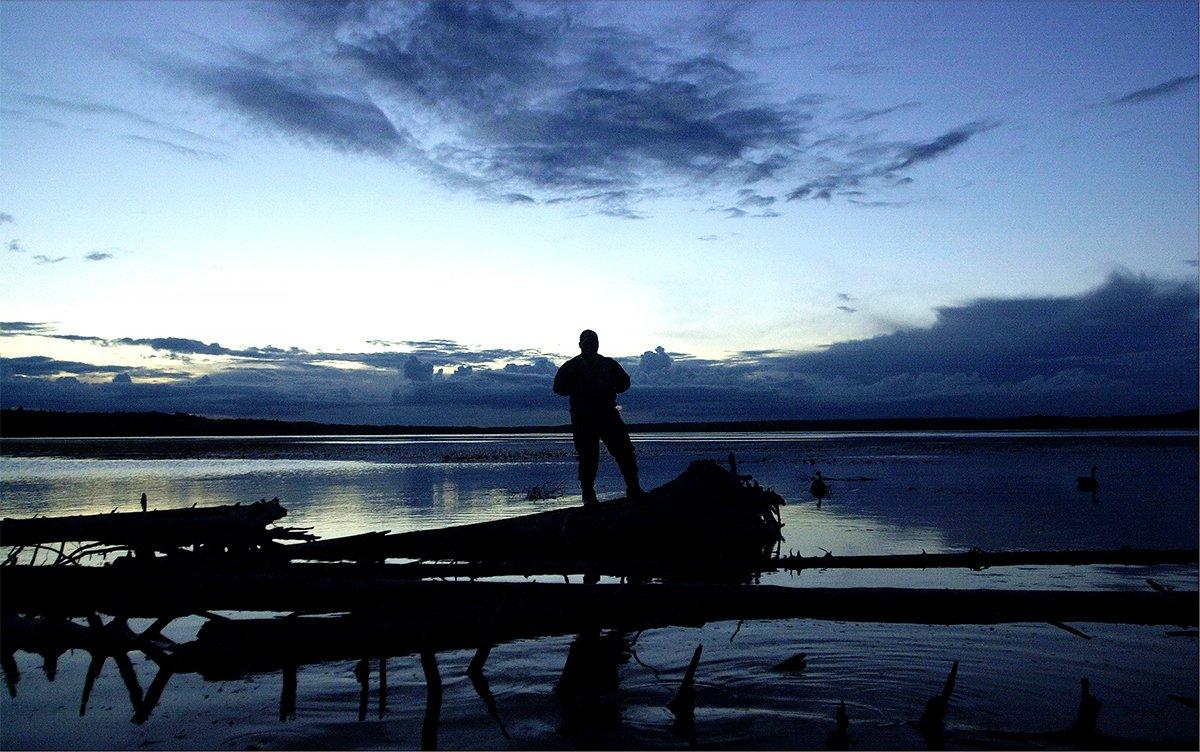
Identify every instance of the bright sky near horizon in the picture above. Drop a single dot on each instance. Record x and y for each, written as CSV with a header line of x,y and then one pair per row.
x,y
711,179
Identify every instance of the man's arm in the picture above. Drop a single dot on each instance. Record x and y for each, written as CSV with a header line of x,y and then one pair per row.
x,y
617,378
562,380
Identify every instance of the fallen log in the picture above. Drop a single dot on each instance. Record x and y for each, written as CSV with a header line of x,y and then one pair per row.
x,y
707,508
137,591
229,524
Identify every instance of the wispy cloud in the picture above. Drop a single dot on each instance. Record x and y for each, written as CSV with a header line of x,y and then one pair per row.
x,y
89,107
15,246
43,259
99,256
862,116
1166,88
881,164
171,146
6,218
13,328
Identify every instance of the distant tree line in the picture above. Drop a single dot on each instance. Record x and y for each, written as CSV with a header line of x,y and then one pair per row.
x,y
27,423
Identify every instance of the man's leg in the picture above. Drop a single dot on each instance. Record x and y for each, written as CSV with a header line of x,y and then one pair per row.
x,y
616,439
587,447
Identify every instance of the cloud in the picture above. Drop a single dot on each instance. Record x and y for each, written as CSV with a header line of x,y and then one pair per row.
x,y
1166,88
862,116
15,246
12,328
927,150
877,165
6,218
176,345
536,104
655,360
171,146
43,259
847,309
1128,346
99,256
88,107
750,197
416,369
879,204
294,105
709,238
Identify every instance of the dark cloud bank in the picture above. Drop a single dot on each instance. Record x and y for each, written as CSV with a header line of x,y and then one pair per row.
x,y
1128,347
535,104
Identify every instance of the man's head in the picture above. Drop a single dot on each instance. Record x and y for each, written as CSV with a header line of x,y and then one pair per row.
x,y
589,343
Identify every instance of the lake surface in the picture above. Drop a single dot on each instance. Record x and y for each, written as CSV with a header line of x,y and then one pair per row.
x,y
892,493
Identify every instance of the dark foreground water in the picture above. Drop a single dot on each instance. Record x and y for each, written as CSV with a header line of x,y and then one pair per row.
x,y
892,493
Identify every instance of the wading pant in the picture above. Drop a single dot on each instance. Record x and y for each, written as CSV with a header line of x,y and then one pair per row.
x,y
588,430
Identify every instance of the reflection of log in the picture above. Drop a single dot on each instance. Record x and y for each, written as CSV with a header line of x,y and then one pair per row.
x,y
137,592
977,559
683,704
433,700
692,565
480,683
706,508
932,723
172,527
839,738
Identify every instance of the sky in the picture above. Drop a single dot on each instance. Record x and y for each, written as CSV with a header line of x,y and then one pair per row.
x,y
406,212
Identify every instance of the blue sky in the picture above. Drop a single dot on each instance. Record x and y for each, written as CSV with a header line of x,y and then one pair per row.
x,y
406,212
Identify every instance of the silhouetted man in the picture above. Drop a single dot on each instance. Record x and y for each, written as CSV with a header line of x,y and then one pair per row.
x,y
593,382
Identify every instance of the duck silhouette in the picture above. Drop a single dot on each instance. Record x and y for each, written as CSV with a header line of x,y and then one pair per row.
x,y
1088,483
819,488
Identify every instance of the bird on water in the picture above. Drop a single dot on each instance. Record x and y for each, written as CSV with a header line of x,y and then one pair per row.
x,y
1086,483
819,488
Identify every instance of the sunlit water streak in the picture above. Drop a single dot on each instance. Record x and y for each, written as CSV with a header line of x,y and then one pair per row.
x,y
892,493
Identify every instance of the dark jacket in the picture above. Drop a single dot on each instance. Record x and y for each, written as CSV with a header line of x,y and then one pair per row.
x,y
592,383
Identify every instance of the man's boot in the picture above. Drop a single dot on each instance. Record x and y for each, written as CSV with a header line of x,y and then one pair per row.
x,y
589,496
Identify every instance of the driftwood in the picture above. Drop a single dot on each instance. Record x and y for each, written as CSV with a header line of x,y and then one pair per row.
x,y
225,525
148,591
706,508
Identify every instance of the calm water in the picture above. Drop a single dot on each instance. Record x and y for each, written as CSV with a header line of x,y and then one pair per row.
x,y
892,493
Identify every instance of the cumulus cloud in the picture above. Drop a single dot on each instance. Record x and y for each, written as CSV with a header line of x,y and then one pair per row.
x,y
537,104
1166,88
6,218
15,246
655,360
416,369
